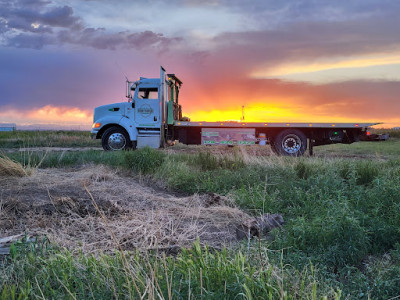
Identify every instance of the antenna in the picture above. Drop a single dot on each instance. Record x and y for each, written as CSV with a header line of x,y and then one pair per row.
x,y
122,71
127,95
242,113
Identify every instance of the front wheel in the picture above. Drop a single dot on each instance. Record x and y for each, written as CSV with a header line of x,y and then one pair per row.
x,y
290,142
115,139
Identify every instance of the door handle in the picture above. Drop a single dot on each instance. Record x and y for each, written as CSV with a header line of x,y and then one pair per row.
x,y
155,118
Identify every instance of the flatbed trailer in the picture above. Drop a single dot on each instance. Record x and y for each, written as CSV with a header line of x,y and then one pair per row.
x,y
153,117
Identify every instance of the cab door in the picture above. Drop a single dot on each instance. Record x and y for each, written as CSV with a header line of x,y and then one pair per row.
x,y
147,106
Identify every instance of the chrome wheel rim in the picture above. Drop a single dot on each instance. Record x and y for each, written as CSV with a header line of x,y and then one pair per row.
x,y
116,141
291,144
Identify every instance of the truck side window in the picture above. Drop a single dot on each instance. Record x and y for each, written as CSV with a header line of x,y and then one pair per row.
x,y
148,93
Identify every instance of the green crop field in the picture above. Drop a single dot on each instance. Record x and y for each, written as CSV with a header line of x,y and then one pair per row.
x,y
26,139
340,239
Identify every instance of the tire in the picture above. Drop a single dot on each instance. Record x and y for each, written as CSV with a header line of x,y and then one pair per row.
x,y
115,139
290,142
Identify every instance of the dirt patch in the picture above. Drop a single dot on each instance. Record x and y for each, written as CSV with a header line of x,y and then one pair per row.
x,y
54,202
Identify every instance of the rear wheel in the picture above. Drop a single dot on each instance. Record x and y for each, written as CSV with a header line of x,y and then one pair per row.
x,y
290,142
115,139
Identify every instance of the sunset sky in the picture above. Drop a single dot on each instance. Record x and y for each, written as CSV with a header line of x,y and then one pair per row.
x,y
329,61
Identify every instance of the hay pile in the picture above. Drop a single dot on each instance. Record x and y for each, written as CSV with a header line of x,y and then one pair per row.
x,y
55,203
9,167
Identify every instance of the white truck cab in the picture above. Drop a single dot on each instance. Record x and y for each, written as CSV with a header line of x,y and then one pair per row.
x,y
139,122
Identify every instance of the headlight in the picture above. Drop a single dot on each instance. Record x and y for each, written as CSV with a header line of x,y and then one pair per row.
x,y
96,125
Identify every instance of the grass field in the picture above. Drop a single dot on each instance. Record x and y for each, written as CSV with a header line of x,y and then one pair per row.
x,y
26,139
340,240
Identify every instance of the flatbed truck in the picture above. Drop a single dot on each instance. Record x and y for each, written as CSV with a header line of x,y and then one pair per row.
x,y
152,117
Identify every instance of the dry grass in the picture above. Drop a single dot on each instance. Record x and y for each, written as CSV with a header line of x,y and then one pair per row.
x,y
9,167
55,203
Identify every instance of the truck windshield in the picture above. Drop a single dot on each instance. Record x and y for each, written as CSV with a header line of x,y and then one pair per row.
x,y
148,93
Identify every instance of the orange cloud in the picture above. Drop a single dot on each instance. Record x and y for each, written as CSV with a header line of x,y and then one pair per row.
x,y
331,63
48,115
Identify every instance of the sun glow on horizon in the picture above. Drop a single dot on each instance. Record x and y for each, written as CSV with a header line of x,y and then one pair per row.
x,y
48,114
255,112
260,113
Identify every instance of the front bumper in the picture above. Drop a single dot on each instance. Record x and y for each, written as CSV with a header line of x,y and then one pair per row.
x,y
93,134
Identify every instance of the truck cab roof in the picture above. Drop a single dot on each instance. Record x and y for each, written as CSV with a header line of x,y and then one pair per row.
x,y
148,81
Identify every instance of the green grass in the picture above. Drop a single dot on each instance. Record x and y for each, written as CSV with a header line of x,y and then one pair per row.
x,y
41,271
61,138
342,228
387,149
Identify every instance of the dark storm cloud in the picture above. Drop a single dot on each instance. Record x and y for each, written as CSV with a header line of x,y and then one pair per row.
x,y
96,38
35,24
99,39
60,17
26,40
20,16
